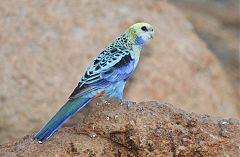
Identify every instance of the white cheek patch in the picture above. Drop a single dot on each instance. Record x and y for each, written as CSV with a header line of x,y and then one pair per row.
x,y
140,40
145,37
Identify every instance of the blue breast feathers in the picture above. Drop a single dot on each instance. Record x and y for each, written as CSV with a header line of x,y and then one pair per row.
x,y
139,41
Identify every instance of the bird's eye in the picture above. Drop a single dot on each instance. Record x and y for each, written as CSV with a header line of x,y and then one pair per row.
x,y
144,28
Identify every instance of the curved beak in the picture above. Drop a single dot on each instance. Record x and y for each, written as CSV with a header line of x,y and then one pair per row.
x,y
152,34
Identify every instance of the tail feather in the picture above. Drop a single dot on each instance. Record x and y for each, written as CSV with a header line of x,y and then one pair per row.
x,y
69,108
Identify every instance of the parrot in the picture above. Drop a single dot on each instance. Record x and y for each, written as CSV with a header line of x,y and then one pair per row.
x,y
105,77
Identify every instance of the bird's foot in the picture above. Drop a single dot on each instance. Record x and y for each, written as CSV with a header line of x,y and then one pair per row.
x,y
101,101
127,102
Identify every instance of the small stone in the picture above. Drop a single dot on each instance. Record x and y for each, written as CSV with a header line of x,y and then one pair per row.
x,y
93,135
107,118
223,123
93,127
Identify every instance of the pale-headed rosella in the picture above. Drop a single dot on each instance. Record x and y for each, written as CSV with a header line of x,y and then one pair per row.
x,y
105,77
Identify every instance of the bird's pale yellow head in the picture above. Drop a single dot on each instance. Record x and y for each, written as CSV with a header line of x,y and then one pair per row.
x,y
139,33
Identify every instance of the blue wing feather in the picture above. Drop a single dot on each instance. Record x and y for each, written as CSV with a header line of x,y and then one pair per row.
x,y
109,67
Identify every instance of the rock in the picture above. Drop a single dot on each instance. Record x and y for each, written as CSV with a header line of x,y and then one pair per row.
x,y
144,129
46,47
217,23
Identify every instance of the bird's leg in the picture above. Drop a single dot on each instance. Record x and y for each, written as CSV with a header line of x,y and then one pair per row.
x,y
118,95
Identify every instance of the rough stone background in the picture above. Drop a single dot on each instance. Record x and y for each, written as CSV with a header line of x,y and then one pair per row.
x,y
145,129
218,24
47,45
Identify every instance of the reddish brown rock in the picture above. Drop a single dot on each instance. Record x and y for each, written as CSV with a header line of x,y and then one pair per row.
x,y
144,129
46,47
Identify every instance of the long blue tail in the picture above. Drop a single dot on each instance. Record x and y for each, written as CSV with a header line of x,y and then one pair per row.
x,y
69,108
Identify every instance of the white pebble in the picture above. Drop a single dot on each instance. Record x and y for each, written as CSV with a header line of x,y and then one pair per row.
x,y
107,117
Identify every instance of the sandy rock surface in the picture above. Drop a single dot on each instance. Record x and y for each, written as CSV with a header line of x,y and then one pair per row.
x,y
144,129
46,47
